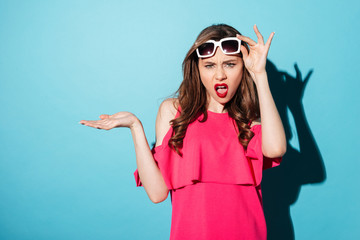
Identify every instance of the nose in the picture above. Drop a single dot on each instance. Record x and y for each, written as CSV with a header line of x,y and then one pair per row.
x,y
220,74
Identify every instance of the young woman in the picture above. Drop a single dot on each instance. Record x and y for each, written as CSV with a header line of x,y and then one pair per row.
x,y
211,147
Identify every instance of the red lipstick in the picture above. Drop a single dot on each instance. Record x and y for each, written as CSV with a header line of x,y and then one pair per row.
x,y
221,89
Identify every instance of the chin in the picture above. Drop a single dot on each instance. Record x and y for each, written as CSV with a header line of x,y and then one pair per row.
x,y
224,100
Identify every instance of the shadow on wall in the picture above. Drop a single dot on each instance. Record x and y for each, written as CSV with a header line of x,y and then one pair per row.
x,y
281,185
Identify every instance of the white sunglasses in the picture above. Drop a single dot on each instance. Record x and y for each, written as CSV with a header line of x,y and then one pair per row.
x,y
229,45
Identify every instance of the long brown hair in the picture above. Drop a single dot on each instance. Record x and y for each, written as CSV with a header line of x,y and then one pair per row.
x,y
192,97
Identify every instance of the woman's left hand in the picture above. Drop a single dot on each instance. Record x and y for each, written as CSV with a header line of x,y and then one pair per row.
x,y
255,60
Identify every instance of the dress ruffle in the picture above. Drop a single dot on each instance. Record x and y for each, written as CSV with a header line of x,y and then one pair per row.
x,y
203,161
256,159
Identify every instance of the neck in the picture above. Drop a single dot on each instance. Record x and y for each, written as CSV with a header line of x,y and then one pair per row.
x,y
215,106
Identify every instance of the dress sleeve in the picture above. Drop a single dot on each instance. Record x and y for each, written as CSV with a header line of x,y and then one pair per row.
x,y
233,166
168,162
137,178
157,149
254,150
155,154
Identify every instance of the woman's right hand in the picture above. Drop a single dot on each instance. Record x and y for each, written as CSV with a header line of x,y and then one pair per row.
x,y
107,122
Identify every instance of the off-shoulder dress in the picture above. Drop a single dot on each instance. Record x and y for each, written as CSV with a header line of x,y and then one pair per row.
x,y
215,187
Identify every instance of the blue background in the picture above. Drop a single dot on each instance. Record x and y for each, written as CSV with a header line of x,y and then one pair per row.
x,y
64,61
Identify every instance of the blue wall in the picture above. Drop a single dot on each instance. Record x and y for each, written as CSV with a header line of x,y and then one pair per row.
x,y
63,61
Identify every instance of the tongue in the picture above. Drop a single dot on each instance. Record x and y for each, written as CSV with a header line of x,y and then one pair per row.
x,y
222,90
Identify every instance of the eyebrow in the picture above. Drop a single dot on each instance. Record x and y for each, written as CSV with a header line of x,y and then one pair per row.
x,y
230,60
213,62
208,62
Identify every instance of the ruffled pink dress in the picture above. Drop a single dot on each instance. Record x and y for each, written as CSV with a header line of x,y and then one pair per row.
x,y
215,187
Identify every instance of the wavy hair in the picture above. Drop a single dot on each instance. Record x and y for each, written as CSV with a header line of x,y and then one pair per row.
x,y
243,108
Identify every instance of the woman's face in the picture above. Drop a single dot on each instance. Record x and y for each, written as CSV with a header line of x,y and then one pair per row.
x,y
221,75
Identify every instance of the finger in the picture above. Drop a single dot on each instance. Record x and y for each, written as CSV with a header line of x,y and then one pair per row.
x,y
244,52
246,39
85,122
258,34
104,116
268,42
94,124
89,122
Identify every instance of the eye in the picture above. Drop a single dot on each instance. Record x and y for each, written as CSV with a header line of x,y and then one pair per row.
x,y
230,65
209,66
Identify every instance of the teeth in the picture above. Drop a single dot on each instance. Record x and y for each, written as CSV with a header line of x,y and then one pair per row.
x,y
220,87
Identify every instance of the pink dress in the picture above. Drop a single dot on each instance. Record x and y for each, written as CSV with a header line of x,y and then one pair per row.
x,y
215,187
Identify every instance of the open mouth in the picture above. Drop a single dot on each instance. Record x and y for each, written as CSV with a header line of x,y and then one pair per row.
x,y
221,89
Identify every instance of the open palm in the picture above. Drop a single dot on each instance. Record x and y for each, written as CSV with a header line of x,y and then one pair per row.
x,y
107,122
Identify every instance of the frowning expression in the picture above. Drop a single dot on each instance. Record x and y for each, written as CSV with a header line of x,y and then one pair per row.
x,y
221,75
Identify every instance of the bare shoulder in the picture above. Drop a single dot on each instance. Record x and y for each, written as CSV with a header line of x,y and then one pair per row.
x,y
168,108
256,122
166,113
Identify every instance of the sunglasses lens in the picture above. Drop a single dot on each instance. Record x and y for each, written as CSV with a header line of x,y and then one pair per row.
x,y
230,46
206,49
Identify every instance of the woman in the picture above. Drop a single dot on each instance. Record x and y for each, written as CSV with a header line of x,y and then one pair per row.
x,y
211,147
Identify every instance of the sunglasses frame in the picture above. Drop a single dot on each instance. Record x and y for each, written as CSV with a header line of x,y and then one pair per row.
x,y
218,44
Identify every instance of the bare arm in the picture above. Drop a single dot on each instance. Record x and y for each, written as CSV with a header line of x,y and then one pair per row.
x,y
273,134
150,175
